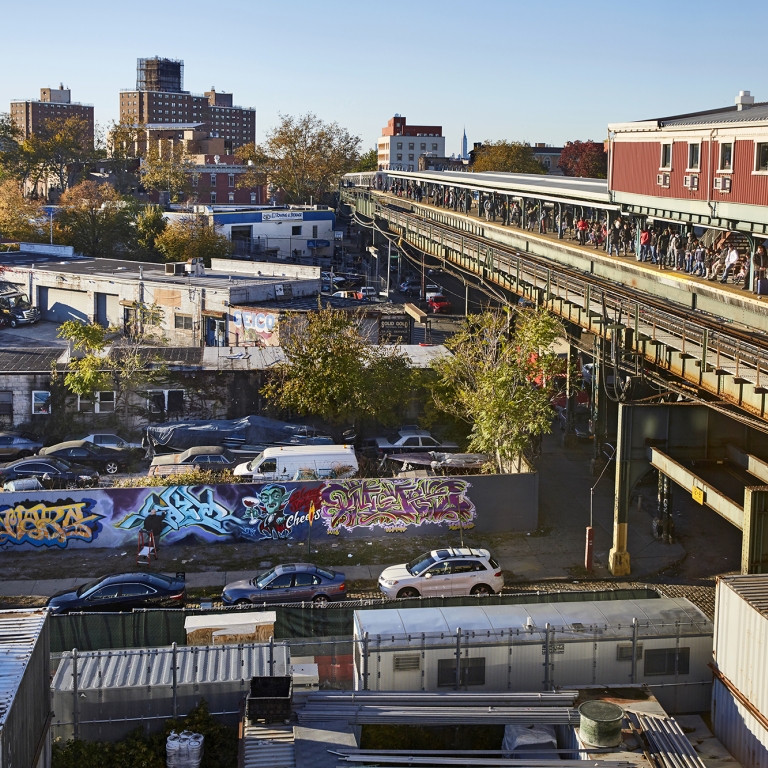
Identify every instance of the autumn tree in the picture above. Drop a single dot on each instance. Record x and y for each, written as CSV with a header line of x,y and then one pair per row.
x,y
93,219
20,219
166,167
494,381
122,153
62,148
304,156
193,237
257,166
507,157
150,224
585,159
332,372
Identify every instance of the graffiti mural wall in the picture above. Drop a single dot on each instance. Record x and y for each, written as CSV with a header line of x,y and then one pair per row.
x,y
112,517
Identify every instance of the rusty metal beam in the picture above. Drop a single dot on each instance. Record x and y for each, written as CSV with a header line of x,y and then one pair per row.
x,y
756,467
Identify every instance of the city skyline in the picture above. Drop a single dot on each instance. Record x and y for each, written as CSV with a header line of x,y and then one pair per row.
x,y
497,80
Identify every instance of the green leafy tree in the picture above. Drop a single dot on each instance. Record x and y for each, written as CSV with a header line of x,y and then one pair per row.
x,y
507,157
150,224
369,161
166,167
496,381
193,237
94,220
305,157
332,372
106,360
122,153
10,147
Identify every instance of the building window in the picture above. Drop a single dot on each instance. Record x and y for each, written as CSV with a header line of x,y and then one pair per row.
x,y
693,157
472,672
399,144
41,402
165,400
314,231
661,661
105,402
295,231
410,145
231,197
423,145
6,403
253,197
231,179
195,178
761,157
434,146
182,322
666,156
213,198
213,179
399,157
726,156
410,157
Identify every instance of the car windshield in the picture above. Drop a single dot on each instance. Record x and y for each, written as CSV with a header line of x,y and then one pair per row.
x,y
264,579
420,564
255,463
88,585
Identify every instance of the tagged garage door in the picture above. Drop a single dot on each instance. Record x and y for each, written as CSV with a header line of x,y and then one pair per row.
x,y
59,305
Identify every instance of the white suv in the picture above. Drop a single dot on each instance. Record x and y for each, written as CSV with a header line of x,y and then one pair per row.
x,y
444,573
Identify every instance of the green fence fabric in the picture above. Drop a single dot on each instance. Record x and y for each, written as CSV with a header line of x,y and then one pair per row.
x,y
156,628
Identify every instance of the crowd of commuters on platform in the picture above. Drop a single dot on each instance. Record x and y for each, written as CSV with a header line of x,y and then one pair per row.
x,y
667,246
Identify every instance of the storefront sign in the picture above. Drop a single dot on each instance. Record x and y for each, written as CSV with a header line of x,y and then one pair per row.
x,y
282,216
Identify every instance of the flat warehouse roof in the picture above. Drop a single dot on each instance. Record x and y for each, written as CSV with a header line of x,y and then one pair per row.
x,y
578,620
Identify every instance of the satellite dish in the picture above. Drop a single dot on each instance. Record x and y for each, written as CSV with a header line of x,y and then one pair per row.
x,y
216,159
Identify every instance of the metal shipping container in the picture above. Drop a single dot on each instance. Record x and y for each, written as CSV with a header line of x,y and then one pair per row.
x,y
24,695
511,648
740,696
114,691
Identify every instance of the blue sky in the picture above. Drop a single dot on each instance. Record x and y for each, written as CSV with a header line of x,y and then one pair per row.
x,y
506,69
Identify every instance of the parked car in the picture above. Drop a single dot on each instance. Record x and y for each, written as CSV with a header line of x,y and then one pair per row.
x,y
18,446
430,290
345,294
288,462
50,471
410,287
108,440
367,292
410,440
211,457
444,572
109,460
438,303
292,583
122,592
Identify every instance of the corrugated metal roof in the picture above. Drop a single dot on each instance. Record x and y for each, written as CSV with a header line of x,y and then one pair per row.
x,y
612,618
753,588
755,113
266,746
153,666
28,360
19,631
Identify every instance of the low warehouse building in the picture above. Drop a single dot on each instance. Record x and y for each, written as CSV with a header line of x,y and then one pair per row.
x,y
665,644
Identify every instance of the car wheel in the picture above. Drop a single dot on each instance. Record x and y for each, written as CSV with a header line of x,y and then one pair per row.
x,y
243,601
13,322
71,485
320,601
408,592
111,467
481,589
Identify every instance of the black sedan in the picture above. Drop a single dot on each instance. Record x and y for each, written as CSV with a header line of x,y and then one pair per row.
x,y
50,471
293,583
109,460
122,592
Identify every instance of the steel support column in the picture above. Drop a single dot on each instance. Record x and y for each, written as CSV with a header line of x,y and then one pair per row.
x,y
754,543
618,558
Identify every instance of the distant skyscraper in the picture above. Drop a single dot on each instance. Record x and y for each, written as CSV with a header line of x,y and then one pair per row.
x,y
464,153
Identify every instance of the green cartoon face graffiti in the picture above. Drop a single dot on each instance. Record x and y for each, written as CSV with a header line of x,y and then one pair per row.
x,y
273,498
268,511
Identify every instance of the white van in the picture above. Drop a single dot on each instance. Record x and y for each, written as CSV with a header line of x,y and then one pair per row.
x,y
301,462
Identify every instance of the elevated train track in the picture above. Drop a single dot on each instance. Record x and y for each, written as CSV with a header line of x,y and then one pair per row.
x,y
692,352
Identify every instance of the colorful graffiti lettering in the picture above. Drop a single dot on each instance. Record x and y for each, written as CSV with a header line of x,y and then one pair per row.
x,y
253,324
395,504
48,526
275,512
182,509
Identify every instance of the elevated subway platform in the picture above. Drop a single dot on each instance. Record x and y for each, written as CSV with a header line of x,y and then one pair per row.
x,y
728,303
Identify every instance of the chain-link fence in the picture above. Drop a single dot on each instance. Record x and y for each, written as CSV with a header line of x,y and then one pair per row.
x,y
155,628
